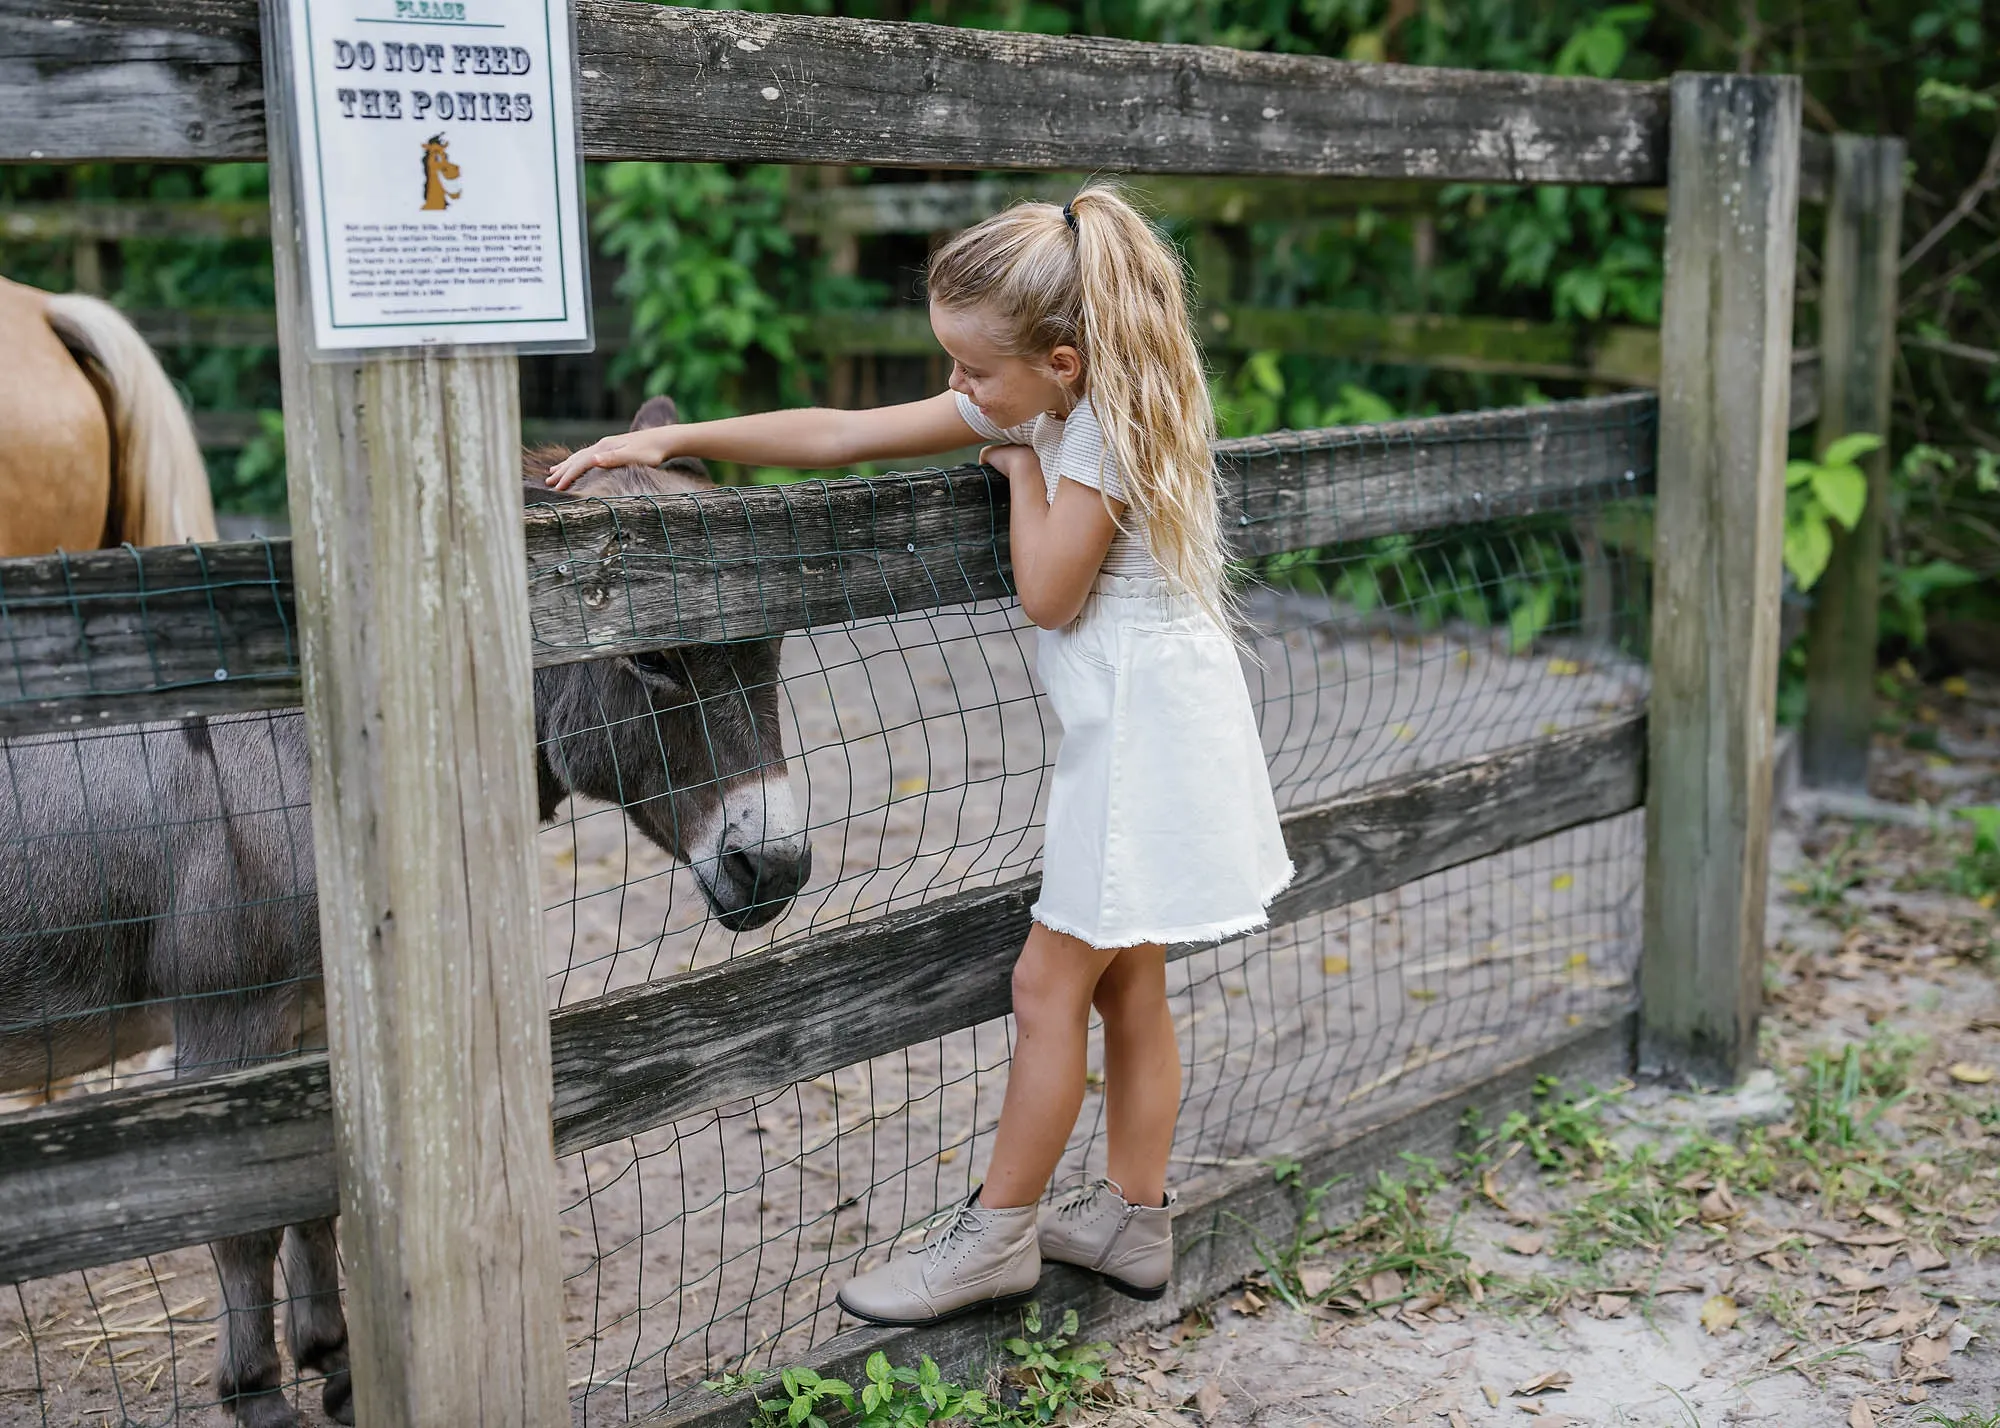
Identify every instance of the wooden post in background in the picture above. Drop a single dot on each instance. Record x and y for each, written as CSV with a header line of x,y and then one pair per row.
x,y
1725,387
1857,345
411,572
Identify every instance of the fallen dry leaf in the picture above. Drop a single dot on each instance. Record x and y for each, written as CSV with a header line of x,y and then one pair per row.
x,y
1315,1279
1717,1206
1718,1313
1208,1399
1489,1189
1914,1393
1860,1415
1455,1419
1865,1238
1923,1258
1383,1285
1926,1353
1554,1381
1858,1280
1612,1306
1895,1325
1970,1072
1884,1215
1492,1395
1525,1244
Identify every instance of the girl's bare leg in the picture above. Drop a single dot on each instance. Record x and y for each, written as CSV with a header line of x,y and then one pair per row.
x,y
1142,1071
1054,980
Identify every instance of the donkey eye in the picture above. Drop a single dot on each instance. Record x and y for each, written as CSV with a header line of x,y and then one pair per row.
x,y
658,667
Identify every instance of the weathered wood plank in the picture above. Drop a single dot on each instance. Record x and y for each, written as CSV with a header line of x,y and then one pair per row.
x,y
403,475
114,636
636,1059
106,1178
106,220
841,210
1857,306
1718,532
233,430
1219,1231
107,79
1619,355
642,573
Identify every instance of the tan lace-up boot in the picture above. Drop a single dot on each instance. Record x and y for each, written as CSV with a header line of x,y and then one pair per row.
x,y
972,1256
1094,1227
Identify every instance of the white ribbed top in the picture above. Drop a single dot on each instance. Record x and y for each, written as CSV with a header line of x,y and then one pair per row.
x,y
1075,447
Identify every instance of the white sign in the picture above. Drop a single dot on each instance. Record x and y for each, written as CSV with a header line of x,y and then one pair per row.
x,y
437,172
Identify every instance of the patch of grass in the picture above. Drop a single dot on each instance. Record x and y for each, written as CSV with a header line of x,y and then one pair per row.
x,y
1970,1418
1839,1101
1824,885
1397,1232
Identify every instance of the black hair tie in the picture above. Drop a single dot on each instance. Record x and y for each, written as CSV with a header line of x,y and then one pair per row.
x,y
1069,217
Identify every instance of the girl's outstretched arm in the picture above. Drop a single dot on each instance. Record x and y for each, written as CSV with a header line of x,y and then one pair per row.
x,y
810,437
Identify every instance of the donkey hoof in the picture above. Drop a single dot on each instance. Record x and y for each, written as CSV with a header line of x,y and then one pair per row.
x,y
338,1397
263,1410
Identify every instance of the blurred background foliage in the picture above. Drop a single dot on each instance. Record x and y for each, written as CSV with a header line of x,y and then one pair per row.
x,y
718,290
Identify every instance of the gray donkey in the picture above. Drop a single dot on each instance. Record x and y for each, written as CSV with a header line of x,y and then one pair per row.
x,y
156,886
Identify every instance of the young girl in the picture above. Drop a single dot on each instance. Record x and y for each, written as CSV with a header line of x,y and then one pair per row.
x,y
1071,350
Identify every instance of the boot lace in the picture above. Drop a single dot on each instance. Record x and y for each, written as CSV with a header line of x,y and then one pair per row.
x,y
1082,1196
947,1225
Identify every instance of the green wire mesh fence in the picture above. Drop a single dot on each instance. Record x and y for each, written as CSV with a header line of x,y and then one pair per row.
x,y
1418,595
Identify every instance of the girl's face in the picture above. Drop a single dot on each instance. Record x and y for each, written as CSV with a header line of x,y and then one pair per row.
x,y
1009,390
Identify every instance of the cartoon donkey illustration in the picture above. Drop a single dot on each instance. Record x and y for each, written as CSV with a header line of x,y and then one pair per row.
x,y
437,168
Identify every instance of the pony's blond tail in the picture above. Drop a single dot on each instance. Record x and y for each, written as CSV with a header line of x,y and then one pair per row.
x,y
159,486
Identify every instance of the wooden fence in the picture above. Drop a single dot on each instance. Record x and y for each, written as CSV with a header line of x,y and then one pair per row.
x,y
326,621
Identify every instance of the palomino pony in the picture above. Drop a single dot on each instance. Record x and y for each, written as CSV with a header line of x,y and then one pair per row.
x,y
98,451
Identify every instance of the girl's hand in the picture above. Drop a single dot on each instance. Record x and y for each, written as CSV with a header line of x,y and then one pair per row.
x,y
648,447
1012,461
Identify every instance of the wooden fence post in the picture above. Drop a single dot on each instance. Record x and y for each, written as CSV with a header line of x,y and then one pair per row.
x,y
411,573
1725,386
1857,345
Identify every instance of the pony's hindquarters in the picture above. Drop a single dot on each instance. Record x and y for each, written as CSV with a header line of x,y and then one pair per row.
x,y
159,487
55,464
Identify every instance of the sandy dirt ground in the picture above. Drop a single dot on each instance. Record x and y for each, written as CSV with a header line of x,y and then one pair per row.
x,y
1858,1288
919,749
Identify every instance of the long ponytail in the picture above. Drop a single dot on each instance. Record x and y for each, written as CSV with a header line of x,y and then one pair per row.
x,y
1098,278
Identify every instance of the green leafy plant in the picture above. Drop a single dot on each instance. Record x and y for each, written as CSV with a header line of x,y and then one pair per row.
x,y
1818,494
1978,871
1597,47
1055,1373
808,1398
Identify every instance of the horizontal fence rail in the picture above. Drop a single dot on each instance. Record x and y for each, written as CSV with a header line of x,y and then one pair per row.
x,y
852,209
123,79
253,1149
119,636
1611,353
111,637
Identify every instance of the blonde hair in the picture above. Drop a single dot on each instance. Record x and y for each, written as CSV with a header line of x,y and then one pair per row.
x,y
1099,279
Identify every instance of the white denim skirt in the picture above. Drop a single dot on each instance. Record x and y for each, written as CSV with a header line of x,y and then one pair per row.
x,y
1161,822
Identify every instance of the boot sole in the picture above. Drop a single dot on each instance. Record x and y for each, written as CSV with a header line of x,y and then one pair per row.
x,y
1124,1287
1006,1301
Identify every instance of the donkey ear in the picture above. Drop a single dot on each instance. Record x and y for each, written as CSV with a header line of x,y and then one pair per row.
x,y
535,493
658,411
